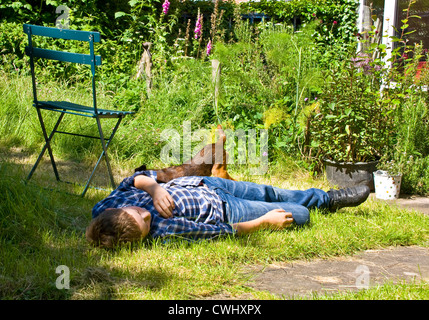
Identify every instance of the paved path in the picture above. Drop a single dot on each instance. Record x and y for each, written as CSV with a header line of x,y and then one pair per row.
x,y
420,204
365,269
368,268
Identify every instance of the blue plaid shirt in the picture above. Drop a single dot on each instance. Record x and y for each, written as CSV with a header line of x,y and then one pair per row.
x,y
198,211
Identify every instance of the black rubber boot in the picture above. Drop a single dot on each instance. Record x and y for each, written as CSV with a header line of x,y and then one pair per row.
x,y
349,197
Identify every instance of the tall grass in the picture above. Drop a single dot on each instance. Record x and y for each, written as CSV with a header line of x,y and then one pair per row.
x,y
175,98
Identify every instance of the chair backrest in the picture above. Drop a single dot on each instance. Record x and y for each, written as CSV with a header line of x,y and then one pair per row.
x,y
66,34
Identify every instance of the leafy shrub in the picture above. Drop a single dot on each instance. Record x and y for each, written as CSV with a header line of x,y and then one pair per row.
x,y
415,179
336,18
12,44
410,152
351,123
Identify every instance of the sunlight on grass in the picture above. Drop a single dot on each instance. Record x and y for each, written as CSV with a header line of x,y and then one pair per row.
x,y
183,270
416,290
50,232
44,229
42,226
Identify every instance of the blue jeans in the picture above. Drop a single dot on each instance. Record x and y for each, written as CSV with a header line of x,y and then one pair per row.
x,y
245,201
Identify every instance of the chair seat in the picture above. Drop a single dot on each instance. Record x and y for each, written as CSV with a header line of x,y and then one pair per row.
x,y
69,107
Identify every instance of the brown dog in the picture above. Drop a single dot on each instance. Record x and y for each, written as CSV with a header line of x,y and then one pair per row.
x,y
204,163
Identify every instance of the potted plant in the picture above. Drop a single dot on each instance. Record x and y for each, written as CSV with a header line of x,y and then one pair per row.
x,y
388,177
352,124
361,98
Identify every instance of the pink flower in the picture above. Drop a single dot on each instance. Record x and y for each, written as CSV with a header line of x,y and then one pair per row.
x,y
209,47
364,62
335,22
198,26
165,6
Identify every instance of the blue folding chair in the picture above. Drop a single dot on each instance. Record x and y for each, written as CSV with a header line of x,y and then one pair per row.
x,y
64,107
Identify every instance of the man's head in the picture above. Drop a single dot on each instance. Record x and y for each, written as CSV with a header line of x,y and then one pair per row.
x,y
115,226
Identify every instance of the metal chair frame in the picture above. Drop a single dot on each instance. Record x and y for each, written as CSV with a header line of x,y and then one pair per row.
x,y
64,107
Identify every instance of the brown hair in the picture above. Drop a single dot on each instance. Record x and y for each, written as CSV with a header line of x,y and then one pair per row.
x,y
112,227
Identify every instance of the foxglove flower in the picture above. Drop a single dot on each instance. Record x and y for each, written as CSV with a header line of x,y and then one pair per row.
x,y
198,27
165,6
209,47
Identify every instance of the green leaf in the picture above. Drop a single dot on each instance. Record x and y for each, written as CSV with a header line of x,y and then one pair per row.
x,y
281,144
119,14
53,2
314,144
348,111
348,129
132,3
410,32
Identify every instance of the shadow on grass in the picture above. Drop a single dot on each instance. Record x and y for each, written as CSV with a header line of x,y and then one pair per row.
x,y
73,174
113,283
39,230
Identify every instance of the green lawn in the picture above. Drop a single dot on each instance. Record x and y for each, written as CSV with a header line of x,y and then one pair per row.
x,y
42,227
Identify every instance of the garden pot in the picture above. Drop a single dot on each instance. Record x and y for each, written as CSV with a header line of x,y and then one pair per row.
x,y
387,187
350,174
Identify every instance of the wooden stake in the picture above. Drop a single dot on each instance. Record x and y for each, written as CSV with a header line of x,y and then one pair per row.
x,y
146,65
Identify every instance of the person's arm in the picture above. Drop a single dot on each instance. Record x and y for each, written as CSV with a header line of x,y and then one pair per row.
x,y
162,200
181,227
274,219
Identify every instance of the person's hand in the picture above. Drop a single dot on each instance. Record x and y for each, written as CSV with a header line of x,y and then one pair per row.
x,y
275,219
278,219
163,202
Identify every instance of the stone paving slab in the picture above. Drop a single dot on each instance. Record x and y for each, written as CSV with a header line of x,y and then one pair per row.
x,y
365,269
361,271
417,203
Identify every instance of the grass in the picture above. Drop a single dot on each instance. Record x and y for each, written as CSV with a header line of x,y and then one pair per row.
x,y
418,290
42,227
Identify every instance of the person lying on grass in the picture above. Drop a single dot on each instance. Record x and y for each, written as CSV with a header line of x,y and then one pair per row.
x,y
205,207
